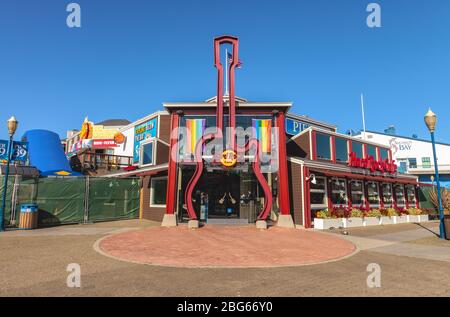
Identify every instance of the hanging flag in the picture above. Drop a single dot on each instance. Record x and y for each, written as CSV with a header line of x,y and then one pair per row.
x,y
263,133
195,129
230,60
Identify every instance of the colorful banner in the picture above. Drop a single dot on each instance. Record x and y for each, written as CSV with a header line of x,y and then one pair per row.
x,y
195,129
20,151
263,133
143,132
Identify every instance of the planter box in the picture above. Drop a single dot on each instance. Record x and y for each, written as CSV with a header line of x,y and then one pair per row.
x,y
352,222
400,219
418,218
387,220
327,223
371,221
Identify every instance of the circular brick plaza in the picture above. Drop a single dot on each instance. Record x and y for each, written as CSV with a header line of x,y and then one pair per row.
x,y
225,246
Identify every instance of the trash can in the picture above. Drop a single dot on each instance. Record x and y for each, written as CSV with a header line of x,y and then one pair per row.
x,y
28,216
447,226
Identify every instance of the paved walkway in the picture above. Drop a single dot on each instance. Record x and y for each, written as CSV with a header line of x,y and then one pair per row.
x,y
225,246
394,243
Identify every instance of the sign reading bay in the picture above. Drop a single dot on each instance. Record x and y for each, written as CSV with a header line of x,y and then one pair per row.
x,y
20,151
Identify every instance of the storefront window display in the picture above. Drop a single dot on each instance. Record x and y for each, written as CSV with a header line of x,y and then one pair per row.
x,y
387,195
338,192
357,190
372,195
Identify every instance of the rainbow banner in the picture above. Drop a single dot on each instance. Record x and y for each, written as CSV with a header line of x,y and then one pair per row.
x,y
195,129
263,133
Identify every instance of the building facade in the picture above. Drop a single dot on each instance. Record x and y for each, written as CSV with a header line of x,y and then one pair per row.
x,y
414,156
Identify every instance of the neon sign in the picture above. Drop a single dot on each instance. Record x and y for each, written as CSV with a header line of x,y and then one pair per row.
x,y
370,163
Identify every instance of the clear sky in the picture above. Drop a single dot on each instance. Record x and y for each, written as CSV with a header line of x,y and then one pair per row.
x,y
130,56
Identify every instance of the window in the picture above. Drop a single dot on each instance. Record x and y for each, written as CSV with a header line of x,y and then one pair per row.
x,y
318,195
371,151
426,162
357,190
158,188
341,150
338,191
399,195
147,153
372,194
412,163
357,148
387,195
402,167
411,195
323,146
384,153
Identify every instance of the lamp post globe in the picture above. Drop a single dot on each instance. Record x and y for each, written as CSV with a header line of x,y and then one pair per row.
x,y
430,120
12,125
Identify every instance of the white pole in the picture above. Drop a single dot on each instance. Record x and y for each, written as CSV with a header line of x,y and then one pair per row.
x,y
363,116
226,72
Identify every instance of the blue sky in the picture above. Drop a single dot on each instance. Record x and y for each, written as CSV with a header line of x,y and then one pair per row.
x,y
130,56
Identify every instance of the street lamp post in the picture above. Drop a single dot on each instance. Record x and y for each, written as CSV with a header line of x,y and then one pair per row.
x,y
430,120
12,126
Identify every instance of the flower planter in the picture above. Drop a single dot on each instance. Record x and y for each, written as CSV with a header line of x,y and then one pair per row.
x,y
371,221
385,220
352,222
400,219
418,218
323,224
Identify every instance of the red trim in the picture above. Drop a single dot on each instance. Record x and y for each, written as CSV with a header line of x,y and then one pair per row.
x,y
380,195
314,144
306,198
283,185
378,158
172,169
350,149
364,150
390,155
405,192
333,149
416,192
349,193
330,202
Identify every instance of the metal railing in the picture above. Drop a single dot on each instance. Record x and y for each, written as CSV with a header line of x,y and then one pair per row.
x,y
98,161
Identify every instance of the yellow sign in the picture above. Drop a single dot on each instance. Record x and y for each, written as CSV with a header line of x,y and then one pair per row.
x,y
63,173
229,158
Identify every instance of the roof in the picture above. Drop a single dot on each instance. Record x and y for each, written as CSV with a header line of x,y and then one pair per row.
x,y
403,137
114,122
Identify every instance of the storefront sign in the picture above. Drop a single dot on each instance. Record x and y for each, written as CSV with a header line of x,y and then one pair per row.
x,y
370,163
399,146
143,132
294,127
104,143
20,151
229,158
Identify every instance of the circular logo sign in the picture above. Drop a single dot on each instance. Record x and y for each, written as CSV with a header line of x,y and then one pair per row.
x,y
229,158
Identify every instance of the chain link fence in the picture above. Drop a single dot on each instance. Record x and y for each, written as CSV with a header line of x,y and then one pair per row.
x,y
73,200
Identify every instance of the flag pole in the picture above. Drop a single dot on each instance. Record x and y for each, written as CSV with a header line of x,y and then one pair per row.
x,y
226,72
363,116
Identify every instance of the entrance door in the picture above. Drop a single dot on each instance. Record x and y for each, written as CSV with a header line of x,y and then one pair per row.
x,y
223,191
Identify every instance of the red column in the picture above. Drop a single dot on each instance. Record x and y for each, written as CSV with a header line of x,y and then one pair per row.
x,y
306,198
283,186
380,195
172,171
329,189
333,149
405,192
313,142
349,193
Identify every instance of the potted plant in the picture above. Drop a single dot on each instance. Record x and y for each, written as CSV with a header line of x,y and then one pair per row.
x,y
372,217
325,220
388,216
354,219
401,217
416,215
